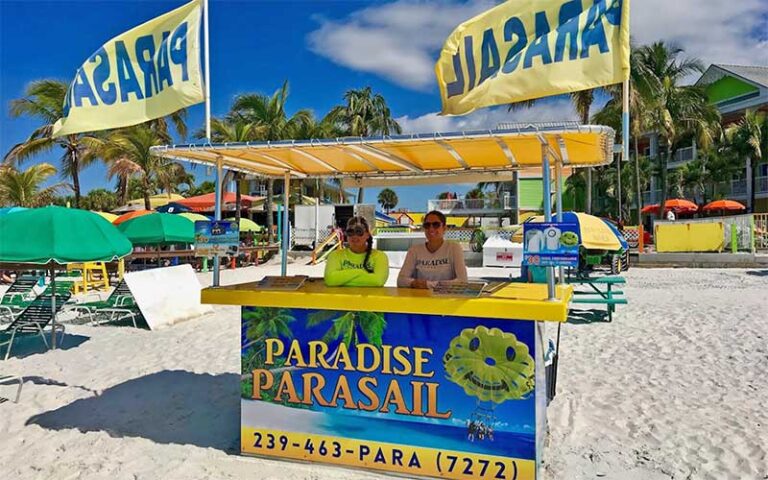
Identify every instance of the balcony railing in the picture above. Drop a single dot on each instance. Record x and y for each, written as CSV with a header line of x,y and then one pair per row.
x,y
739,187
682,156
761,185
472,205
651,197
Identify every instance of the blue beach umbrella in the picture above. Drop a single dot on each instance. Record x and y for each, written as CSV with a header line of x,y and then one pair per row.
x,y
173,207
7,210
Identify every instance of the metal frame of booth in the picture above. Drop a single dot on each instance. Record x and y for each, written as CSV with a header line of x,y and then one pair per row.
x,y
520,308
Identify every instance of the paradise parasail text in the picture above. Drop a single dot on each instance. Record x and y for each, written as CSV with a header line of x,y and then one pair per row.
x,y
417,398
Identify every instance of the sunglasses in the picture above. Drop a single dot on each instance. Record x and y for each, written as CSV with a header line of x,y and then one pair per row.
x,y
428,225
355,232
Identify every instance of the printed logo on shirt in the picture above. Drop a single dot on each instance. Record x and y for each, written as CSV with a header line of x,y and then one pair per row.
x,y
432,263
347,265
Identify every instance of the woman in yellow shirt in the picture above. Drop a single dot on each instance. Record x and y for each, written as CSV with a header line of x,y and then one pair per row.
x,y
358,265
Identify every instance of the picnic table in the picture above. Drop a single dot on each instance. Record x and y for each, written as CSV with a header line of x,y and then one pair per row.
x,y
601,291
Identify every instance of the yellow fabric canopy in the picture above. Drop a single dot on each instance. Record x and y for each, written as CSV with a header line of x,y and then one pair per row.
x,y
411,156
110,217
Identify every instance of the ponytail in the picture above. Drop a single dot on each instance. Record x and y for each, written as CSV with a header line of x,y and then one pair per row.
x,y
367,267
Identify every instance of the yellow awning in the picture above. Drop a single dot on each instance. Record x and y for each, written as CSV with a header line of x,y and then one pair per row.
x,y
409,156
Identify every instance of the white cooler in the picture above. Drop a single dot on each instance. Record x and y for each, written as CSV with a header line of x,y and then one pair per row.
x,y
500,252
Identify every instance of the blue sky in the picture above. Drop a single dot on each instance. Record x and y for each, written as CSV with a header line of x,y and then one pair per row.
x,y
324,48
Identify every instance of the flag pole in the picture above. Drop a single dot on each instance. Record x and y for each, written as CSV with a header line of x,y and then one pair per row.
x,y
217,194
624,135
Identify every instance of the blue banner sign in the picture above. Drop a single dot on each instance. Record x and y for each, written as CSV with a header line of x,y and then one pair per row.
x,y
551,244
216,238
418,395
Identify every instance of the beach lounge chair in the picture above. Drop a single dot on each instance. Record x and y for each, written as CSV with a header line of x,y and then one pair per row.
x,y
17,297
10,378
33,321
120,305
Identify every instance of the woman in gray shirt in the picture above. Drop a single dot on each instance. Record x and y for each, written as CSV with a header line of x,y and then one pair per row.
x,y
435,261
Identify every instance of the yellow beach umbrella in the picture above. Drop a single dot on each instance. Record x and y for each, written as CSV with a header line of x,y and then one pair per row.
x,y
247,225
594,233
110,217
195,217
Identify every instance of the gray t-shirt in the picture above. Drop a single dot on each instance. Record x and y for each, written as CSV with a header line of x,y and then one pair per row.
x,y
446,264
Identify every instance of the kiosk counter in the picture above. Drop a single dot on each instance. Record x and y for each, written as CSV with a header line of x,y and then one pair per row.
x,y
400,380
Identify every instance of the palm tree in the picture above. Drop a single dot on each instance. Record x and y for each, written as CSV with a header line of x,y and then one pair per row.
x,y
99,199
24,187
676,112
263,322
364,113
206,186
749,138
270,116
44,100
640,91
234,129
350,327
129,155
387,199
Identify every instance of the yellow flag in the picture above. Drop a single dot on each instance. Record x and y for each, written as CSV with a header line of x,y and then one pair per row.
x,y
147,72
526,49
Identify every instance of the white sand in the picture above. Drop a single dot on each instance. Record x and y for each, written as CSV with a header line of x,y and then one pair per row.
x,y
675,388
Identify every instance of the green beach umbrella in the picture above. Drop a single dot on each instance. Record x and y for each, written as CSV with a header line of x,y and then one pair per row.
x,y
55,236
158,229
59,235
194,217
247,225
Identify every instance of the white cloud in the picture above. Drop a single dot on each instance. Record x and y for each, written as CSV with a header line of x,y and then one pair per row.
x,y
715,32
400,40
397,40
552,110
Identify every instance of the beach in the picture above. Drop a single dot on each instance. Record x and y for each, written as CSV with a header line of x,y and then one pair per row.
x,y
674,388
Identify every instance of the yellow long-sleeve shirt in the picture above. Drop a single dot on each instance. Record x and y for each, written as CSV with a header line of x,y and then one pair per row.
x,y
344,268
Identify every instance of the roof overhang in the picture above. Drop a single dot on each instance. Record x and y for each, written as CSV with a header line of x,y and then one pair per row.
x,y
410,159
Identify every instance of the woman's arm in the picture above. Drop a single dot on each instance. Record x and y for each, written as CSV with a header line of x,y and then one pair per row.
x,y
380,272
459,265
406,276
336,277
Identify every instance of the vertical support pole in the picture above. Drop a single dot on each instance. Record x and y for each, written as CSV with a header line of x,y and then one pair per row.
x,y
752,239
734,238
559,190
53,308
547,192
624,137
207,81
207,51
217,216
317,217
286,226
279,233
